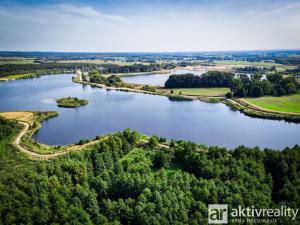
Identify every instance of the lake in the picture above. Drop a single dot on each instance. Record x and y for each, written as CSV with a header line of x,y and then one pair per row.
x,y
156,79
110,111
147,79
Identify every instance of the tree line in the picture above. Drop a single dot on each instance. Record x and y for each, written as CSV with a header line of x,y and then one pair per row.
x,y
254,86
43,68
242,85
121,181
254,69
209,79
136,68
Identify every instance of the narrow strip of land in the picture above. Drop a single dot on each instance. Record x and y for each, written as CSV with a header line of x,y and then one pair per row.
x,y
33,154
37,156
238,104
253,106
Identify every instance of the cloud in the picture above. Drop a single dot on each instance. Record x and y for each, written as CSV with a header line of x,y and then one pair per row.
x,y
210,26
57,15
55,27
87,12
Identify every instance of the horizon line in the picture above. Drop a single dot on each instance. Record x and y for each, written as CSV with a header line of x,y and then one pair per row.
x,y
197,51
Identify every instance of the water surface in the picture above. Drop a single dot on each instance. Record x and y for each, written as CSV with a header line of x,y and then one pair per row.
x,y
147,79
110,111
156,79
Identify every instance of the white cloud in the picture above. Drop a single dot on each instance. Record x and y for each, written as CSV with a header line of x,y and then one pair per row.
x,y
82,28
87,12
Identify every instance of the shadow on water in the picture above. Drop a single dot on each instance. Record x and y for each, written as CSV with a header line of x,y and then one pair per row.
x,y
179,99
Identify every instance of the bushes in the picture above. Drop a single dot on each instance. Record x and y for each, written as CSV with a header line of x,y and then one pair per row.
x,y
149,88
228,95
153,141
6,127
83,141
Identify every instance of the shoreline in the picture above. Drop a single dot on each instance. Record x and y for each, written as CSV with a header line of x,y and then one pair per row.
x,y
237,104
31,122
253,111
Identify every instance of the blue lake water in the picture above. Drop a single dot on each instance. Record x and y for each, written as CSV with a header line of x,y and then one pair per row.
x,y
156,79
110,111
149,79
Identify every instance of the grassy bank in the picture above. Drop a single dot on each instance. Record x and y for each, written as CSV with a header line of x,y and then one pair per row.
x,y
289,103
241,106
253,111
33,119
16,61
202,91
18,76
33,75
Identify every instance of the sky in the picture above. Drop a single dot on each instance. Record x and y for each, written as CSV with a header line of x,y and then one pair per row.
x,y
149,26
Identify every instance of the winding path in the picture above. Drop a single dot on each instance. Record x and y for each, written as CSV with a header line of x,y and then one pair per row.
x,y
37,156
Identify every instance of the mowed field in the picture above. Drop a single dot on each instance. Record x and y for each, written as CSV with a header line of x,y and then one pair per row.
x,y
202,91
15,77
246,63
290,103
17,61
99,61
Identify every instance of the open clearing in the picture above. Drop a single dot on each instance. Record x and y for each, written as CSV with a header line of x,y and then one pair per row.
x,y
18,61
290,103
246,63
100,61
21,116
202,91
17,76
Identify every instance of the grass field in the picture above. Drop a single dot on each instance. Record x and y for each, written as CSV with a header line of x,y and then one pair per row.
x,y
202,91
18,61
234,62
99,61
290,103
17,76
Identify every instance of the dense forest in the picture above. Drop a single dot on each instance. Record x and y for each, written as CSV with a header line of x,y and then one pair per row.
x,y
136,68
121,181
11,69
209,79
254,86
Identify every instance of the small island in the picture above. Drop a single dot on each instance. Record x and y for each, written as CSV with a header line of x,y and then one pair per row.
x,y
69,102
